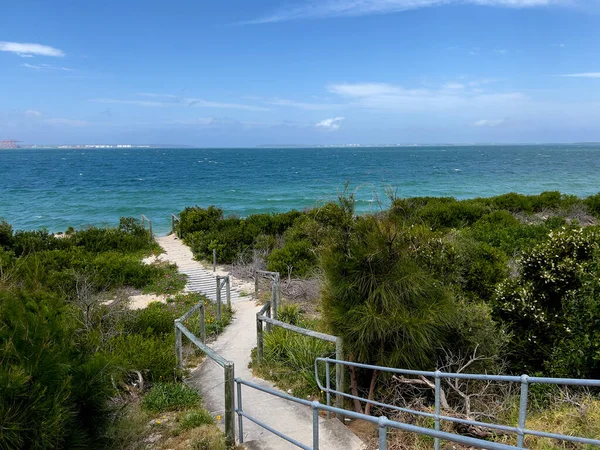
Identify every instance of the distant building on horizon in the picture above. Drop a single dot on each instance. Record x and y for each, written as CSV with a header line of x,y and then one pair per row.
x,y
9,143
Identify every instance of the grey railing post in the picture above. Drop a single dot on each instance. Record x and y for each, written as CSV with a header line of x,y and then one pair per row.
x,y
522,411
259,339
274,300
268,313
438,388
214,259
328,386
315,409
382,433
218,298
178,345
229,404
172,224
278,293
339,375
255,286
240,417
228,290
202,325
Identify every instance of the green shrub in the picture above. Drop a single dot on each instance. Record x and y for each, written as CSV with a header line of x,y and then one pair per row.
x,y
152,356
297,257
170,282
552,307
52,395
170,397
289,313
195,418
593,204
6,235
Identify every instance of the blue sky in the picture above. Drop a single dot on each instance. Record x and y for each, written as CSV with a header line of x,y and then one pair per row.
x,y
245,73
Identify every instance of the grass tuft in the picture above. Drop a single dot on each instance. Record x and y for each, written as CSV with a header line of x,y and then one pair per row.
x,y
170,397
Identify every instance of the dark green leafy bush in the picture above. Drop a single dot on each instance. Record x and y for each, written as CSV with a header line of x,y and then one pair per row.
x,y
553,304
297,257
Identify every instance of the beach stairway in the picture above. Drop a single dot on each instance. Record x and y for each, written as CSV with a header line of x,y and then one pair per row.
x,y
235,344
199,279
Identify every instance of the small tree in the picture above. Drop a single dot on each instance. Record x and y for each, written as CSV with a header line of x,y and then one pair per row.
x,y
388,310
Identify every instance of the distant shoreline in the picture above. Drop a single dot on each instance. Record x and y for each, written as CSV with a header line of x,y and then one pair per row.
x,y
295,147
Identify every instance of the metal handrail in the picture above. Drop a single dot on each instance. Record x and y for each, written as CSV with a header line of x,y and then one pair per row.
x,y
382,422
525,380
228,366
175,218
339,346
144,220
275,288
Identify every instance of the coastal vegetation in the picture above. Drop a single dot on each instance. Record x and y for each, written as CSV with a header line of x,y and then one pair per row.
x,y
80,368
508,284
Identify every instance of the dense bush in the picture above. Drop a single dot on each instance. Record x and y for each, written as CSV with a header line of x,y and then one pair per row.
x,y
64,350
52,395
552,307
296,256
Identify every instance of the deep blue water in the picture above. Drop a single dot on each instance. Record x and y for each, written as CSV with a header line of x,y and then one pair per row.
x,y
60,188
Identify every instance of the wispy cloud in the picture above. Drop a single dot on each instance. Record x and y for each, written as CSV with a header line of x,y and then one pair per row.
x,y
67,122
33,113
146,103
166,100
583,75
221,105
46,67
319,9
489,123
27,50
331,124
149,94
306,105
450,96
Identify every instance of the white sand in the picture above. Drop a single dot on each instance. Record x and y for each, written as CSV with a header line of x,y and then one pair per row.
x,y
143,300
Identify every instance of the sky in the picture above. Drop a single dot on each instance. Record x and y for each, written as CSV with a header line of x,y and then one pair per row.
x,y
304,72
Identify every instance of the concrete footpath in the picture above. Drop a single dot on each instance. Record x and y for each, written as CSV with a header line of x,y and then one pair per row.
x,y
235,344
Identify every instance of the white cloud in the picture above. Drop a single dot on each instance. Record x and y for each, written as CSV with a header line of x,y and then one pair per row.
x,y
27,50
173,100
331,124
67,122
489,123
33,113
220,105
147,103
390,97
363,89
454,86
147,94
583,75
46,67
318,9
305,105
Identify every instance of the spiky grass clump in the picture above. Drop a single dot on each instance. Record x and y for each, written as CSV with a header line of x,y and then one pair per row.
x,y
170,397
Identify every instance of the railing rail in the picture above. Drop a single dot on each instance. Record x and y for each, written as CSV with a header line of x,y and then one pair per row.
x,y
228,367
275,288
175,218
223,281
382,422
521,431
144,220
263,316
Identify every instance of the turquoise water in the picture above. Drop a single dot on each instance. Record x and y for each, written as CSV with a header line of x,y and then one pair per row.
x,y
56,189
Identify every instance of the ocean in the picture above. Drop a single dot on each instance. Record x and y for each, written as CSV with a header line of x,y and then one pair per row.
x,y
58,188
